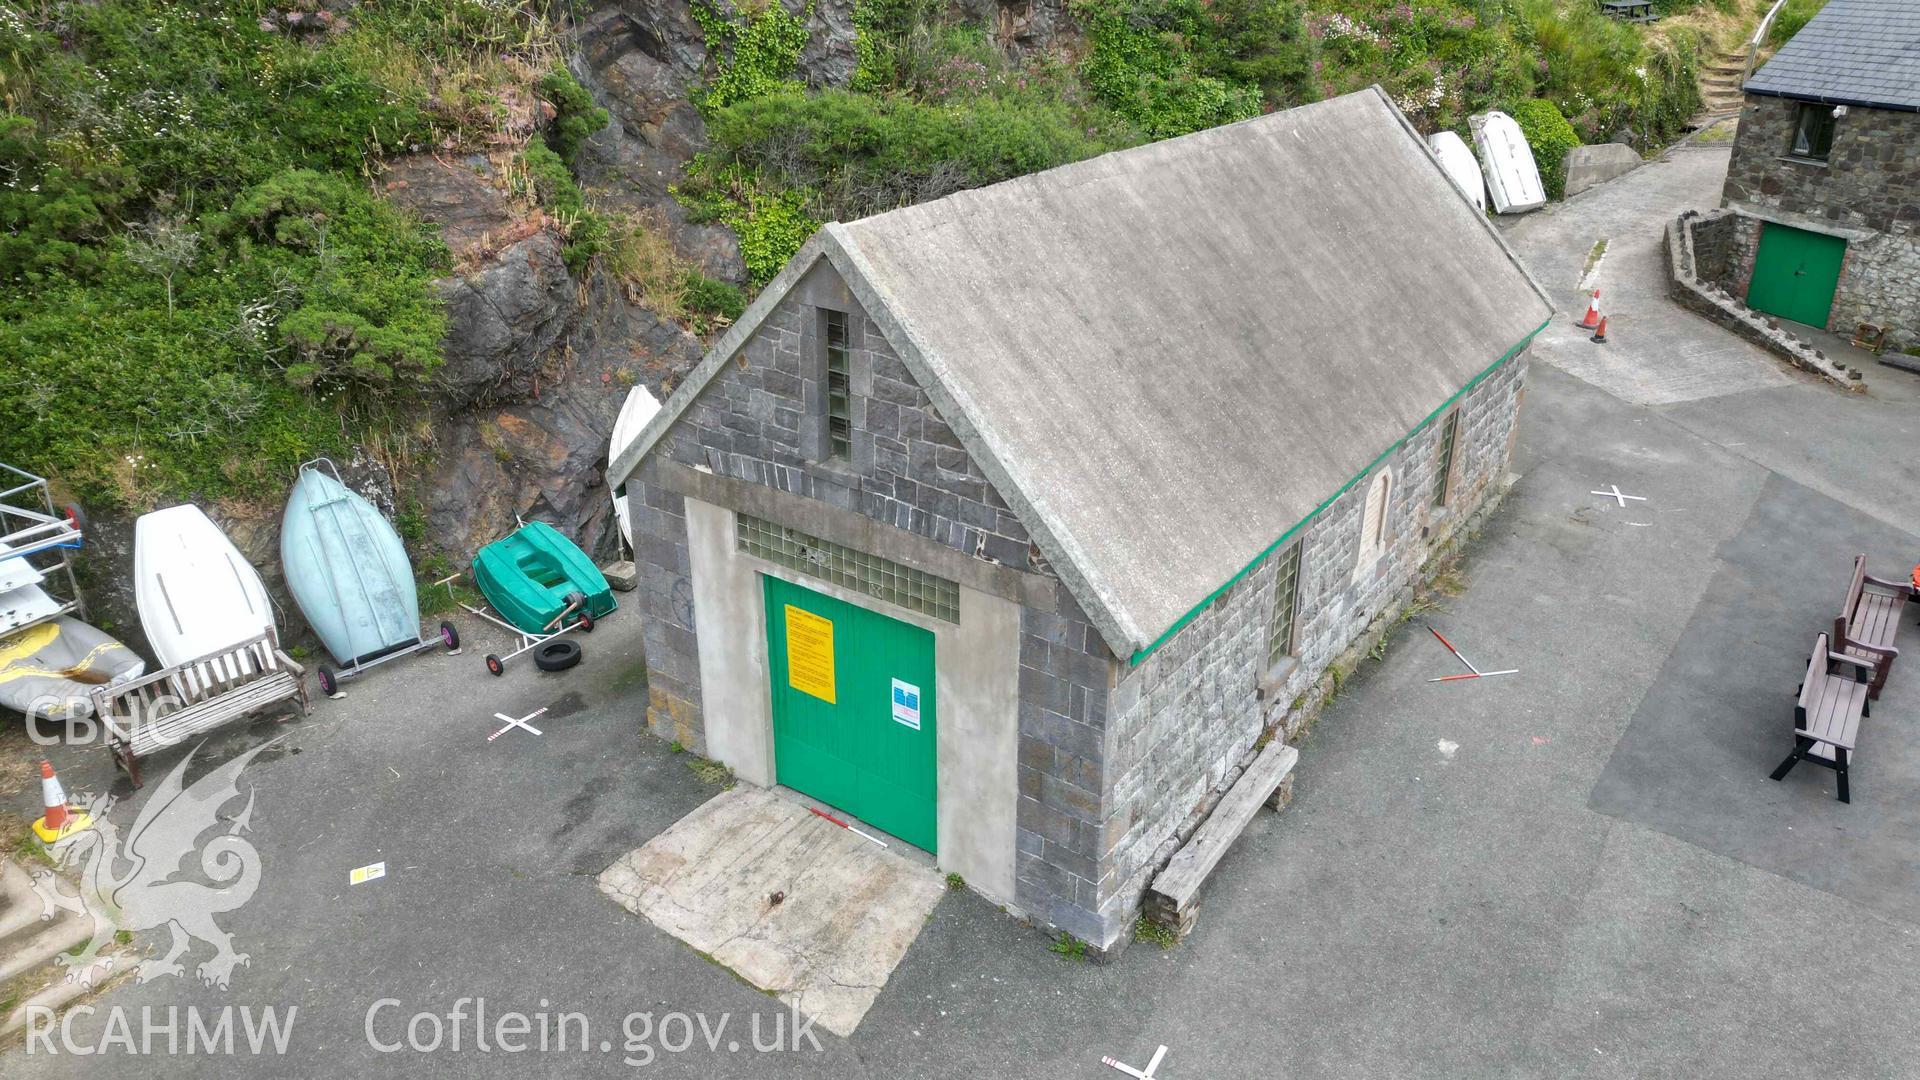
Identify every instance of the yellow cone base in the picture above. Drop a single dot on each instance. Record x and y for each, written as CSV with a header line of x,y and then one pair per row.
x,y
77,821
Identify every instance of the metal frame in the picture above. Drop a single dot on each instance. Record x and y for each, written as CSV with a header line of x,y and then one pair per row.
x,y
32,530
498,664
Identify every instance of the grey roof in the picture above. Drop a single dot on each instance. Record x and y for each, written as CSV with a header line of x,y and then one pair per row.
x,y
1854,52
1166,358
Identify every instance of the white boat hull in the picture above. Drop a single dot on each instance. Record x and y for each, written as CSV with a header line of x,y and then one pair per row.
x,y
639,408
1461,167
1513,179
196,593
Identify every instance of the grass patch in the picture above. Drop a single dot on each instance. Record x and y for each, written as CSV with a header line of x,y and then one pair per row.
x,y
1146,929
956,882
710,771
1593,257
1068,946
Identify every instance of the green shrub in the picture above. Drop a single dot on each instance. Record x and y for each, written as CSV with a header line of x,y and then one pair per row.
x,y
197,287
1140,65
1550,137
756,55
576,117
709,298
1792,19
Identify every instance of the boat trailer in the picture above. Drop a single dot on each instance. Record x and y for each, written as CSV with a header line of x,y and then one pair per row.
x,y
574,616
330,679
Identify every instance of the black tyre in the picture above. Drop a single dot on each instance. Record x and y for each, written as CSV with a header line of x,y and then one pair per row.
x,y
557,655
449,636
329,685
586,622
494,665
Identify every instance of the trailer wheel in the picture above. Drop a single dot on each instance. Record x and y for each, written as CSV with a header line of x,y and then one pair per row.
x,y
494,665
586,622
328,684
449,636
76,516
557,655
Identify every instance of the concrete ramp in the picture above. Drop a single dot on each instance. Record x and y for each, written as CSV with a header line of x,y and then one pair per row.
x,y
848,909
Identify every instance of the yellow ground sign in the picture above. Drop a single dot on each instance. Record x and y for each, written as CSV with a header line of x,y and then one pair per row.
x,y
810,653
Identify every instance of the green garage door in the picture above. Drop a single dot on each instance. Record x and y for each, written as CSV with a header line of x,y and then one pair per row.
x,y
853,709
1795,273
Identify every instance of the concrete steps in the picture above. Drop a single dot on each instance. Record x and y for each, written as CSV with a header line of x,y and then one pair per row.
x,y
29,945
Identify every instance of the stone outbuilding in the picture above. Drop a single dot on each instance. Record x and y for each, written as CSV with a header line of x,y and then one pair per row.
x,y
1825,175
1011,523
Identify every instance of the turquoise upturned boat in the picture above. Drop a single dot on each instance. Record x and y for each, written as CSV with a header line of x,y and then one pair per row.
x,y
528,576
347,569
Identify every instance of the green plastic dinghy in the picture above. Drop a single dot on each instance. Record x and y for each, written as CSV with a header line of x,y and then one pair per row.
x,y
528,577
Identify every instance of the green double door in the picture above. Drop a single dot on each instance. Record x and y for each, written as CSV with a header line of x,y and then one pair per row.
x,y
853,709
1795,273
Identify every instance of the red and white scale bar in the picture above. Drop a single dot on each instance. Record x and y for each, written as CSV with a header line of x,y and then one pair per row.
x,y
847,826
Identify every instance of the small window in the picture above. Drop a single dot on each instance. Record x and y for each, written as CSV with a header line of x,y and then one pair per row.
x,y
1286,607
1373,520
1443,459
1813,133
839,387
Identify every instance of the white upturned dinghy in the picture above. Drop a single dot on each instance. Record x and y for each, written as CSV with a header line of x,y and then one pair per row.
x,y
196,593
1513,179
634,414
1461,168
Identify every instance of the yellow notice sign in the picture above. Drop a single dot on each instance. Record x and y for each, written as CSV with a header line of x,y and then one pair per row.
x,y
810,653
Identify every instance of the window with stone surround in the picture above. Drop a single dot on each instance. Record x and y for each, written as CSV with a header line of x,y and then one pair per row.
x,y
1443,458
1813,132
839,384
1286,607
1373,521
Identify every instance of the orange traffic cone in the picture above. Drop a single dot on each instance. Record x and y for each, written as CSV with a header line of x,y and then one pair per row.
x,y
1600,333
1592,319
59,822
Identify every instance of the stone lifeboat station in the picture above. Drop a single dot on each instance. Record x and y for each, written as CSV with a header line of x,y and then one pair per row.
x,y
1022,524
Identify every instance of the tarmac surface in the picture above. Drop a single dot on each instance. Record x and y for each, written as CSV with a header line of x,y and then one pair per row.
x,y
1578,871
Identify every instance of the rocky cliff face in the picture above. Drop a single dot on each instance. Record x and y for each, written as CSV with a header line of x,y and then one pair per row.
x,y
537,361
537,365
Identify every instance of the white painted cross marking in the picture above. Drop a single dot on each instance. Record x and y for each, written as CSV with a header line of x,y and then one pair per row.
x,y
1616,496
1131,1071
512,723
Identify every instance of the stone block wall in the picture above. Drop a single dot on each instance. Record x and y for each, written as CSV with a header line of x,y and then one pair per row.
x,y
1871,180
1709,258
759,421
1868,190
1066,676
1113,758
1182,720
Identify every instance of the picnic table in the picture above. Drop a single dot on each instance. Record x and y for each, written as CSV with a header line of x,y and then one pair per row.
x,y
1631,10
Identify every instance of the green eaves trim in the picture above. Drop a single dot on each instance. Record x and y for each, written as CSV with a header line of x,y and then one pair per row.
x,y
1182,622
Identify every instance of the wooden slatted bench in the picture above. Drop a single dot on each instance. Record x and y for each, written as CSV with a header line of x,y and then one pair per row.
x,y
177,703
1826,719
1868,620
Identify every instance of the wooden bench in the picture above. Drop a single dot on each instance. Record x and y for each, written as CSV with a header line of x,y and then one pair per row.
x,y
1826,719
1172,899
178,703
1868,621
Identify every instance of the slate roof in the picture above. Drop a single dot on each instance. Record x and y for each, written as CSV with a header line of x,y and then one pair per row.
x,y
1167,357
1854,52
